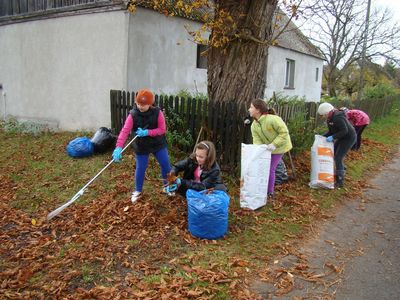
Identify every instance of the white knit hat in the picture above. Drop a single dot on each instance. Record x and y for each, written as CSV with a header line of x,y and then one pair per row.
x,y
325,108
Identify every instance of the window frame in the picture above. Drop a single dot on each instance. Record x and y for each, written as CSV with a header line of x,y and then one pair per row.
x,y
289,73
201,60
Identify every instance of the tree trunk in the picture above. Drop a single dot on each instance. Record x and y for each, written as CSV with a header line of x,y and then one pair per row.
x,y
332,86
238,71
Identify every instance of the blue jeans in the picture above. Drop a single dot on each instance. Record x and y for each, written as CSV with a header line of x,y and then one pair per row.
x,y
341,148
142,161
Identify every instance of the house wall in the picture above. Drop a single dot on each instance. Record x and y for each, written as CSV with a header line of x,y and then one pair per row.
x,y
305,84
161,56
60,70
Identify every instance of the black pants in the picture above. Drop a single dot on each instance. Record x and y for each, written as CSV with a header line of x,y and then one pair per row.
x,y
341,148
359,130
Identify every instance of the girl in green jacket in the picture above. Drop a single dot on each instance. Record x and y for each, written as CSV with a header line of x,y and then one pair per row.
x,y
268,128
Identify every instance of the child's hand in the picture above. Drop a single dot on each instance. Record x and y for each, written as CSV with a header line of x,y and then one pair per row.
x,y
171,177
117,154
271,147
142,132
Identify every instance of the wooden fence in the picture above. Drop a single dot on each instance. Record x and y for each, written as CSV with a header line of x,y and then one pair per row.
x,y
223,123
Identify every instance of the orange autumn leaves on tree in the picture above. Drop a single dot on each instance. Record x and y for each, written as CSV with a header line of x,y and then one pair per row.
x,y
218,21
222,24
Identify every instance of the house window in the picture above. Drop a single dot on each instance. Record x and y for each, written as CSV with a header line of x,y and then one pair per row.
x,y
316,74
201,62
289,78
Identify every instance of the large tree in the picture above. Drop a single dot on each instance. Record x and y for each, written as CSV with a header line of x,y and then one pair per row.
x,y
240,33
338,28
237,70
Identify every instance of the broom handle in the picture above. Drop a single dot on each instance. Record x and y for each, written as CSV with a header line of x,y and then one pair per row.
x,y
55,212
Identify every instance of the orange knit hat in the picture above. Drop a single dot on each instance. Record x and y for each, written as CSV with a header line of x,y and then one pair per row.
x,y
145,97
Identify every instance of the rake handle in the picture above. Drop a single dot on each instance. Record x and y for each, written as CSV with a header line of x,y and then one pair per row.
x,y
55,212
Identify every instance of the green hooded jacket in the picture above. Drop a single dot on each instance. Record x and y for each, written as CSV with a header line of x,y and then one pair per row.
x,y
271,129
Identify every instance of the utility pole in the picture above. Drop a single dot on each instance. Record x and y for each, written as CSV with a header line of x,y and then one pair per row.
x,y
364,50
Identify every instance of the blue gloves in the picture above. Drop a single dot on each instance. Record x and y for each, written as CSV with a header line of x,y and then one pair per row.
x,y
173,186
117,154
142,132
329,139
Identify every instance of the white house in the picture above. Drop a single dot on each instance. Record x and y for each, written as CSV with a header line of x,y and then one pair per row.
x,y
58,64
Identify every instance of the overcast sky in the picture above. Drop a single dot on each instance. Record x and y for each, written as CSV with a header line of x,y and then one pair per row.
x,y
393,5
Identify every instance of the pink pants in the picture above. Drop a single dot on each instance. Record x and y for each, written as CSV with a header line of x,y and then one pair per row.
x,y
275,158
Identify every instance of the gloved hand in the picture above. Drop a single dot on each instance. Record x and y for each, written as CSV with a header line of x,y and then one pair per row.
x,y
170,188
271,147
117,154
173,186
142,132
329,139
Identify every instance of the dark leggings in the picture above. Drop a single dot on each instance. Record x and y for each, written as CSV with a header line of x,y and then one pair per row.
x,y
359,131
341,148
141,166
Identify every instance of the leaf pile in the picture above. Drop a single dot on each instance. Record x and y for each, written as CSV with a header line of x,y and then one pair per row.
x,y
103,247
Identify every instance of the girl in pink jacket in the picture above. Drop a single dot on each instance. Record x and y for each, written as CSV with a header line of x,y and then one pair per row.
x,y
359,120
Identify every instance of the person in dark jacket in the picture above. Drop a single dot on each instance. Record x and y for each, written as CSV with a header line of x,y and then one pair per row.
x,y
148,122
200,170
342,133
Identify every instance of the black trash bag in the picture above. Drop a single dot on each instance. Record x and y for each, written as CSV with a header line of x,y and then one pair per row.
x,y
103,140
281,175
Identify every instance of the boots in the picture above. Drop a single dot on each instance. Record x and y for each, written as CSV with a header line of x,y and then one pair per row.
x,y
339,179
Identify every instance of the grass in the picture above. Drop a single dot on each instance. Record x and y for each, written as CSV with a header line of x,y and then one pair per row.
x,y
151,241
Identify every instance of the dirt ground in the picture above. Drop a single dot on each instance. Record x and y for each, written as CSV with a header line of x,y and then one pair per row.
x,y
355,255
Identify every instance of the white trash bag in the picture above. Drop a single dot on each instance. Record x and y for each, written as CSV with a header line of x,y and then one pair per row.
x,y
254,176
322,164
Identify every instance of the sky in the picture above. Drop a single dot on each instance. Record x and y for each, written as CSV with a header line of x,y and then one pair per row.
x,y
393,5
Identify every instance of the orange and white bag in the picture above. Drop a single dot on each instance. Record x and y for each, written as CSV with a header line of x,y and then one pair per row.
x,y
322,164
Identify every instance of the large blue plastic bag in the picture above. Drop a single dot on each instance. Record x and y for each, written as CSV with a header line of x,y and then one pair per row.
x,y
80,147
207,213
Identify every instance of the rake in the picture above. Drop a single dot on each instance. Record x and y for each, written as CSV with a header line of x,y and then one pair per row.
x,y
55,212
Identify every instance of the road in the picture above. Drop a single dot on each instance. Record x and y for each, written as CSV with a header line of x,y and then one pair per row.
x,y
356,255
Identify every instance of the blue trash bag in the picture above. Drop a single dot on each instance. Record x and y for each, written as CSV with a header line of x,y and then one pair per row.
x,y
80,147
207,213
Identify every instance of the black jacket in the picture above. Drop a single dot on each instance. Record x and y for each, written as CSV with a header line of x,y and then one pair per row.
x,y
147,120
208,178
339,127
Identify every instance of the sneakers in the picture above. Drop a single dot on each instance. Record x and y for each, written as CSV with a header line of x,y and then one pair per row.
x,y
135,196
270,196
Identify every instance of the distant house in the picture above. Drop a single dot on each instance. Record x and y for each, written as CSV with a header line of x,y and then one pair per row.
x,y
59,60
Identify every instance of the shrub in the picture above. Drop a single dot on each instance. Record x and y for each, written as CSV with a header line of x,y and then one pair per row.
x,y
176,135
379,91
301,133
14,126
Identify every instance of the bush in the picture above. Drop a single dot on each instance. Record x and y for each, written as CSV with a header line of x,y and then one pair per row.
x,y
14,126
301,133
176,135
379,91
186,94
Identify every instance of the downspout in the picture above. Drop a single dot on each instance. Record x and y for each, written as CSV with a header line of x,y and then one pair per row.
x,y
3,93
